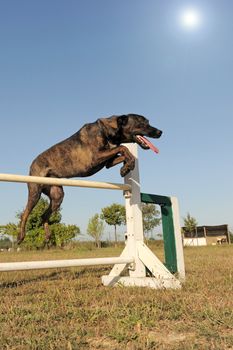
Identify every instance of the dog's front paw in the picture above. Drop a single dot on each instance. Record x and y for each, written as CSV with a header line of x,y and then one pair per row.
x,y
126,169
131,164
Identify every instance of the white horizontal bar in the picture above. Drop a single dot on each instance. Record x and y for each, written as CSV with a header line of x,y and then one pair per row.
x,y
52,264
63,182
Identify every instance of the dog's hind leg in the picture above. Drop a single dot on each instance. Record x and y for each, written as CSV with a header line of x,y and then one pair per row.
x,y
34,193
56,195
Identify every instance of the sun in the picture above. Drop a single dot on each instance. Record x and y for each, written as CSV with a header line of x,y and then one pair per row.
x,y
190,18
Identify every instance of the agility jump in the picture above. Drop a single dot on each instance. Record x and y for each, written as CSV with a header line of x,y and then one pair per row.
x,y
136,259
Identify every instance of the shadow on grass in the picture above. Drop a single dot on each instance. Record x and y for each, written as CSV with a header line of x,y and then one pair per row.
x,y
56,276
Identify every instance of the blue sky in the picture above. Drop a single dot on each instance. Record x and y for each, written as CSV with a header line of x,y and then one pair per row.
x,y
66,63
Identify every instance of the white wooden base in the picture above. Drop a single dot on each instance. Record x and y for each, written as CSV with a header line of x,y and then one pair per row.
x,y
141,282
161,276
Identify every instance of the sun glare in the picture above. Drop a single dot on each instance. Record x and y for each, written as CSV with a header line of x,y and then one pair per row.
x,y
190,18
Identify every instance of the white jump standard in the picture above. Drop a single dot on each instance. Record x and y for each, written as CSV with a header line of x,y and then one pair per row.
x,y
136,260
144,258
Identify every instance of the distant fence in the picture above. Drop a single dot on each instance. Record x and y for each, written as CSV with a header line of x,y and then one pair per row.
x,y
204,235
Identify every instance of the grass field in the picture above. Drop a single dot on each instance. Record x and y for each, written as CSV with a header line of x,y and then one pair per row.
x,y
70,309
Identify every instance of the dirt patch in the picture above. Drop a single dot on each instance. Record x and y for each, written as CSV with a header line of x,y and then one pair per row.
x,y
169,338
103,343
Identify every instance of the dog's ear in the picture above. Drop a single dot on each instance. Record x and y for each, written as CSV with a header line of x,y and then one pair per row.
x,y
112,126
122,120
109,126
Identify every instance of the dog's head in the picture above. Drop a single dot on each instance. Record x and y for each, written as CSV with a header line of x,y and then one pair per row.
x,y
126,128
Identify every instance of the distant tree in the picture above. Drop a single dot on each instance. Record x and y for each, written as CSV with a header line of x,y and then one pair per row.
x,y
114,215
35,218
10,229
95,229
150,217
61,234
35,236
190,224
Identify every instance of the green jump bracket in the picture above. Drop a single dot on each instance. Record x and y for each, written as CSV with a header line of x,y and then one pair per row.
x,y
173,248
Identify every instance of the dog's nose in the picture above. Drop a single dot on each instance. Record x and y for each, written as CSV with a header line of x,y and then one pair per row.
x,y
159,133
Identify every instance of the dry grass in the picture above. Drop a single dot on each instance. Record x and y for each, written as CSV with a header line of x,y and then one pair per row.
x,y
70,309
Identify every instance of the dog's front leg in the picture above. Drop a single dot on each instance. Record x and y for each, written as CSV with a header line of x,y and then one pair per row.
x,y
117,155
114,161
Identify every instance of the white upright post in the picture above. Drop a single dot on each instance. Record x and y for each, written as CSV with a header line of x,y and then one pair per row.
x,y
134,229
135,248
134,216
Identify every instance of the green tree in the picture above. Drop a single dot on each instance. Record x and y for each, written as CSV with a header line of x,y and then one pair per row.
x,y
190,224
61,234
95,229
114,215
34,219
150,217
10,229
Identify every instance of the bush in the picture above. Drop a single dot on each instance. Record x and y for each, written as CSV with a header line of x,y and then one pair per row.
x,y
5,243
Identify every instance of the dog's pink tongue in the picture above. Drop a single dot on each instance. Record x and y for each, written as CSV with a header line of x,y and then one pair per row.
x,y
148,143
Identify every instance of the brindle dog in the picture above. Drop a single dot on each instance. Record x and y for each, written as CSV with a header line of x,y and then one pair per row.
x,y
93,147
